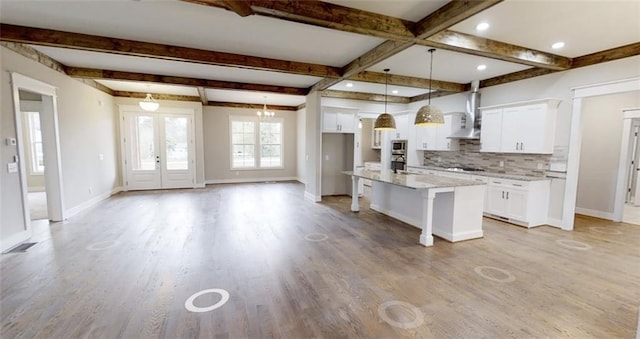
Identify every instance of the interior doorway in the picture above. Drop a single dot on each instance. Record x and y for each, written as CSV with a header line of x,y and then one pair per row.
x,y
30,108
36,153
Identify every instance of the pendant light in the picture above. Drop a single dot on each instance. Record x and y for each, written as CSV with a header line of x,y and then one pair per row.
x,y
385,121
429,115
264,114
149,104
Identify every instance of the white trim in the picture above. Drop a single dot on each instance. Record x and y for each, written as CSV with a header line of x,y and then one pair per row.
x,y
247,180
36,189
624,163
527,102
611,87
91,202
257,165
594,213
575,140
554,222
311,197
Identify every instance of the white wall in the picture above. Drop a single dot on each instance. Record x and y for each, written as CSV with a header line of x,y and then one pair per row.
x,y
301,116
217,147
87,126
599,157
337,156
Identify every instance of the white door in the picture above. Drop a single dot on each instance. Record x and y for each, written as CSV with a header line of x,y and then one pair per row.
x,y
158,150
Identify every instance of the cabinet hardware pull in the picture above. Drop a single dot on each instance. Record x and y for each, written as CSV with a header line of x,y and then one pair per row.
x,y
507,195
502,194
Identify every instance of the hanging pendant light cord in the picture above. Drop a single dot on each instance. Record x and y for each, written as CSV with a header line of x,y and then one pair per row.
x,y
430,72
386,83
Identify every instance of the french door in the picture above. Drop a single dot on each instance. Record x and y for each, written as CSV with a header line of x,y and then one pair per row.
x,y
158,150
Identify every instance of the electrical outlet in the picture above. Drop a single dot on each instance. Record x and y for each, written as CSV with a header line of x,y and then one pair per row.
x,y
326,157
101,156
501,163
237,173
540,166
439,159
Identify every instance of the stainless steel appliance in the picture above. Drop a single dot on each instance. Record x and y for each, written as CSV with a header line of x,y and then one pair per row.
x,y
398,155
398,147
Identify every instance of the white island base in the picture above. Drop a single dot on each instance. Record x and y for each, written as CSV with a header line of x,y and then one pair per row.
x,y
449,208
457,211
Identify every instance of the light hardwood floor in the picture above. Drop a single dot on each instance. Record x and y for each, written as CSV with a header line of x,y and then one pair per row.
x,y
125,268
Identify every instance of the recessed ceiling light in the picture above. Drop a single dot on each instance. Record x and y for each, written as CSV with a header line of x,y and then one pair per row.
x,y
483,26
481,67
395,91
558,45
349,84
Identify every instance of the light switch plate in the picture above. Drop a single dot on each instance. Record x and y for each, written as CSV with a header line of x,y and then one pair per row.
x,y
12,167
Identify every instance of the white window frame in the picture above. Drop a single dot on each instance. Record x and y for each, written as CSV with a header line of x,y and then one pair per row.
x,y
257,145
29,131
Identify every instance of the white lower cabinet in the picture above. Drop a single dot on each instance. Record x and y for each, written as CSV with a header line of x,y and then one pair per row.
x,y
521,202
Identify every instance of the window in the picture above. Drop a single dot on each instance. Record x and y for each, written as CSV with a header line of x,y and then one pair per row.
x,y
255,143
34,142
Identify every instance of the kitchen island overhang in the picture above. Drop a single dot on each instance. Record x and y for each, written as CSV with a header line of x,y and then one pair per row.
x,y
446,207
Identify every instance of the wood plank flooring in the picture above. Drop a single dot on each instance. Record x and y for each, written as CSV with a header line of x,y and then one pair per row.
x,y
125,268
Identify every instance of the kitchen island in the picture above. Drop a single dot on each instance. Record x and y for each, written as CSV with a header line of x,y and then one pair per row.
x,y
446,207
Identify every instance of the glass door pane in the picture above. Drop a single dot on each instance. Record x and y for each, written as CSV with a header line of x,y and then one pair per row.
x,y
176,143
142,144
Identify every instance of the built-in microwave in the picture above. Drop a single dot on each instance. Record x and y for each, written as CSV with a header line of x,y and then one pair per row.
x,y
398,146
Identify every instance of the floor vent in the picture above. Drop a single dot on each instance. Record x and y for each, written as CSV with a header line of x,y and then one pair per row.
x,y
22,247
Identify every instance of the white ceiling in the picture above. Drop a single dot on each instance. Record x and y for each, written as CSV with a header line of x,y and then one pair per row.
x,y
76,58
447,65
412,10
251,97
368,87
585,27
145,87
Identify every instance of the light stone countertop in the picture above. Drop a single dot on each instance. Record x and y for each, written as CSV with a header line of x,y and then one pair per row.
x,y
484,174
411,180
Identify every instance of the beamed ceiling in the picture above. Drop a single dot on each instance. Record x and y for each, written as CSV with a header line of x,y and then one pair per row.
x,y
245,53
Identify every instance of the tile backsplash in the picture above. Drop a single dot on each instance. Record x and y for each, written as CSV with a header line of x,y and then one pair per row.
x,y
469,156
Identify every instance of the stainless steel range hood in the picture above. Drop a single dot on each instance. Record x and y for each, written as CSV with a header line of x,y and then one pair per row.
x,y
473,115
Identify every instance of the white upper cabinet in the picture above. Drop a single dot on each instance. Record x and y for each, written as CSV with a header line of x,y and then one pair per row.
x,y
436,138
338,120
527,127
402,127
491,130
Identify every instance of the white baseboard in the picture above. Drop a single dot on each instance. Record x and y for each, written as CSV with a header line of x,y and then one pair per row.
x,y
247,180
554,222
90,203
36,189
594,213
311,197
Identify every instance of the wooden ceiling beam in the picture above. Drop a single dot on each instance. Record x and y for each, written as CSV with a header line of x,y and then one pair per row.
x,y
434,94
241,7
443,18
365,96
581,61
469,44
171,97
607,55
89,73
53,38
407,81
449,15
251,106
328,15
